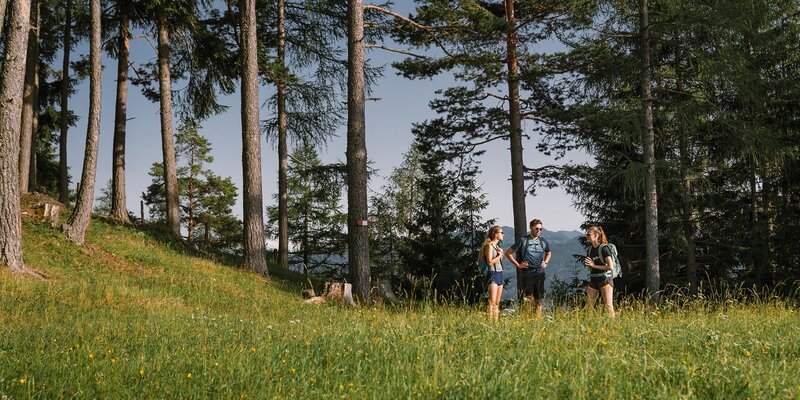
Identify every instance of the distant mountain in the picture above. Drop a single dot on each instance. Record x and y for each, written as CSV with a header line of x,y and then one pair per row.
x,y
563,244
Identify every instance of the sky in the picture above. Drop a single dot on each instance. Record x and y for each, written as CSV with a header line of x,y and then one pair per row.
x,y
400,103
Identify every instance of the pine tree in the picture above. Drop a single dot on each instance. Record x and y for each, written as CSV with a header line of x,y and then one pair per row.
x,y
78,223
254,244
315,220
10,110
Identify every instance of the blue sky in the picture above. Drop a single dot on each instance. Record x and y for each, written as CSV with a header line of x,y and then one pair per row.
x,y
388,121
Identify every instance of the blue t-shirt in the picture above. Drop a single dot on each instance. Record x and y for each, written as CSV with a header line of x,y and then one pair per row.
x,y
534,253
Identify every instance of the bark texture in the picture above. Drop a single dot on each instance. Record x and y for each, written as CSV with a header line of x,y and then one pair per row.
x,y
515,132
167,137
357,229
3,4
75,228
30,100
255,257
653,274
283,153
119,207
63,181
11,82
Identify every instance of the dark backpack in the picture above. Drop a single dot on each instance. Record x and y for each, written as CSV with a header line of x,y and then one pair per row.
x,y
521,250
520,254
483,266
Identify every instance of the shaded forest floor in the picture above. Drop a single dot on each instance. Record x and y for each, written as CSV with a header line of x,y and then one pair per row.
x,y
131,315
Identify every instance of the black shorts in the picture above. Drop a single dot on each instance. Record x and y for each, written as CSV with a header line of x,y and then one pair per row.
x,y
533,283
600,281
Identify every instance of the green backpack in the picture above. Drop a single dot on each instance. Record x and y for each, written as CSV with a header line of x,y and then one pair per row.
x,y
483,266
615,271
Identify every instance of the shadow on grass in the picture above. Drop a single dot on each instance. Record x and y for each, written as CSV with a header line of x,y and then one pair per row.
x,y
293,282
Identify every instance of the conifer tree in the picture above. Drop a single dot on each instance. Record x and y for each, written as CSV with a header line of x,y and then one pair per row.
x,y
315,220
78,223
10,110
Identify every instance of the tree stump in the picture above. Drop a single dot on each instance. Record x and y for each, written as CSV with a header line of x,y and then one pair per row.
x,y
335,292
383,292
52,212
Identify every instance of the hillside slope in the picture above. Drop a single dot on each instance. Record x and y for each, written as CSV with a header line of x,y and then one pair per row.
x,y
128,316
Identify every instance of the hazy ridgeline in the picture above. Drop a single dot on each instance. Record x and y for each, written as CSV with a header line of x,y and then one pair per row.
x,y
132,316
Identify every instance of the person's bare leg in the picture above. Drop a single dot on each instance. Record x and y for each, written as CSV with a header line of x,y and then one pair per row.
x,y
538,303
591,297
608,299
497,302
527,303
493,300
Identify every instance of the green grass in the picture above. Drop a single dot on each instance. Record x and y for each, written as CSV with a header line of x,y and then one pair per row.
x,y
129,317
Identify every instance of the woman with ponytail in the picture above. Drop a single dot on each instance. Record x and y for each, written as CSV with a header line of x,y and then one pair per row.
x,y
601,264
491,254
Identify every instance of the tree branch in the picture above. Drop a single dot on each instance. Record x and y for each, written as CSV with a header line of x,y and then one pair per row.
x,y
410,22
379,46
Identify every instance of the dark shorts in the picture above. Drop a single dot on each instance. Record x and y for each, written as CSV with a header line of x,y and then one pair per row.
x,y
600,281
494,277
533,283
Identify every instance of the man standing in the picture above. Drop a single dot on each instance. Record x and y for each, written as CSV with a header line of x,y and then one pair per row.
x,y
533,253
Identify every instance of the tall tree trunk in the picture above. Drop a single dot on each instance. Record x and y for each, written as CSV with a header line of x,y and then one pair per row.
x,y
754,223
357,228
30,100
75,228
767,228
119,206
652,274
689,226
306,256
32,169
190,224
255,255
167,140
515,132
3,4
11,85
63,174
283,154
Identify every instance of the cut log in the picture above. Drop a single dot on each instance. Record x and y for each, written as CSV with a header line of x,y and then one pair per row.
x,y
315,300
335,292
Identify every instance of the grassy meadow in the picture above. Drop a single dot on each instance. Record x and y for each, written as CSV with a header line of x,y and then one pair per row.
x,y
130,316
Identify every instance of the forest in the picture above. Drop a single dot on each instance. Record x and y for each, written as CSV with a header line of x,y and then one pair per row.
x,y
687,110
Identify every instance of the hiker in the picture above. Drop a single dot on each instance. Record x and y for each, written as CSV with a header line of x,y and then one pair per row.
x,y
492,254
601,267
531,254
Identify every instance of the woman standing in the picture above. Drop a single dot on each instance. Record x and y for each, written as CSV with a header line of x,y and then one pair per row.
x,y
491,254
601,264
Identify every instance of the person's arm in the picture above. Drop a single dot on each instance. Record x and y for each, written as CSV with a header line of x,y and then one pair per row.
x,y
489,259
547,254
607,257
510,254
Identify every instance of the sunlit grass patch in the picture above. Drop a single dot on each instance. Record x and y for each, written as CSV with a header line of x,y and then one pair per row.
x,y
163,323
